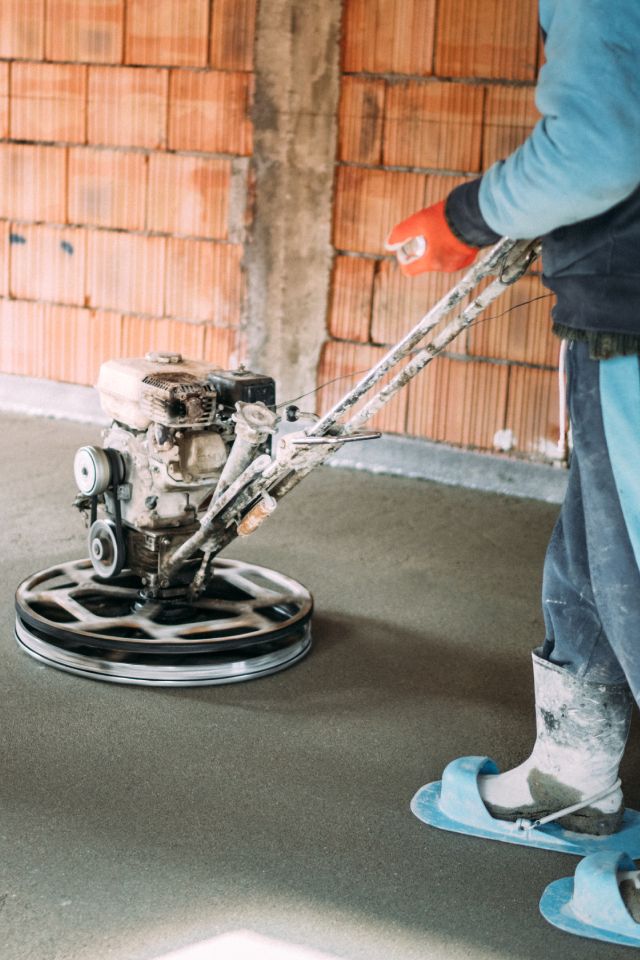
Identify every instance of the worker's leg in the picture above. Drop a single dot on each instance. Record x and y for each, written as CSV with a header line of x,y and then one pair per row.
x,y
607,441
604,403
591,601
575,637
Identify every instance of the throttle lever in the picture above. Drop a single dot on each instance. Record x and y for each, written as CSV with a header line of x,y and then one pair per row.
x,y
408,250
331,439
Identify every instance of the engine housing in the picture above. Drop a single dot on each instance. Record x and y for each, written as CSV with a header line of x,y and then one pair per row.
x,y
173,428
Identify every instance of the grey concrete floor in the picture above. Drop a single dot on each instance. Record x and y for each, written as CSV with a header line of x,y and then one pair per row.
x,y
134,821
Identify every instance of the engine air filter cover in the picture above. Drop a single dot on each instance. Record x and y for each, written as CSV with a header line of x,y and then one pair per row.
x,y
127,397
175,399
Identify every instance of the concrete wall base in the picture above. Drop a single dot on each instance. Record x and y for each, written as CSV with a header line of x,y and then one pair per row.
x,y
48,398
421,459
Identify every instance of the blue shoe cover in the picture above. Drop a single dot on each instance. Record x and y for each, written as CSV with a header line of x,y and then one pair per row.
x,y
590,904
454,803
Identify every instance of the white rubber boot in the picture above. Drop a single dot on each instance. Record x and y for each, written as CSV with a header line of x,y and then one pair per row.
x,y
582,729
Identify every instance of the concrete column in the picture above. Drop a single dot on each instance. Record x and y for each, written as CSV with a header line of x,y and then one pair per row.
x,y
288,259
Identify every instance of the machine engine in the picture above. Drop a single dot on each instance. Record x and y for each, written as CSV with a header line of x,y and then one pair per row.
x,y
182,431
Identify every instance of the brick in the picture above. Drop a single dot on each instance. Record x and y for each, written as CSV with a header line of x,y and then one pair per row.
x,y
65,342
141,334
5,258
48,263
23,330
33,182
532,412
351,298
459,402
510,114
222,346
433,124
48,102
369,203
167,32
59,343
125,272
62,343
400,302
358,36
107,188
4,101
100,339
350,362
128,106
89,31
513,329
22,29
210,112
233,27
43,340
439,185
189,195
487,38
388,36
79,341
360,120
204,281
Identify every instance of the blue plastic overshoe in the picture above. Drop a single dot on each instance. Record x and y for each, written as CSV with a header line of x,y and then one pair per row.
x,y
454,803
589,904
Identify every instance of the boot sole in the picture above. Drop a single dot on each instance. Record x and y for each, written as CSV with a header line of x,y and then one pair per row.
x,y
589,820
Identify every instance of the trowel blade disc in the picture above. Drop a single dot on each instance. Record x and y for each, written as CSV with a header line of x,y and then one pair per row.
x,y
248,623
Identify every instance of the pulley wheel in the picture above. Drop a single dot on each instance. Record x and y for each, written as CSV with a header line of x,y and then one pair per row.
x,y
92,470
249,622
106,554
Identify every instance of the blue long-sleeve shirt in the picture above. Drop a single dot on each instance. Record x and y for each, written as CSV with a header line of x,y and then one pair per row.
x,y
583,156
575,181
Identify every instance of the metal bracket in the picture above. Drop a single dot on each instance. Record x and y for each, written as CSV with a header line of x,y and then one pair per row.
x,y
517,261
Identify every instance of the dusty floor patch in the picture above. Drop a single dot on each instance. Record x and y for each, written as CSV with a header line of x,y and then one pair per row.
x,y
137,821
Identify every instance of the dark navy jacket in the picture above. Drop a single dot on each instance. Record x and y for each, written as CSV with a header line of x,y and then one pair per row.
x,y
575,181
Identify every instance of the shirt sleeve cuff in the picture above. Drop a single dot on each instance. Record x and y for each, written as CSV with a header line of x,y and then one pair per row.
x,y
462,213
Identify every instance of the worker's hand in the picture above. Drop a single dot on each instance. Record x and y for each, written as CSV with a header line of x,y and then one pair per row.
x,y
425,241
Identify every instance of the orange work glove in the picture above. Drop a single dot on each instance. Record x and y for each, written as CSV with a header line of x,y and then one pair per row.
x,y
434,246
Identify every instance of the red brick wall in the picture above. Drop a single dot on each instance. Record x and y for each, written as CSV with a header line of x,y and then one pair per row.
x,y
124,138
433,92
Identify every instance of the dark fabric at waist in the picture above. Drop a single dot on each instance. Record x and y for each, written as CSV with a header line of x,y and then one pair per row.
x,y
606,245
601,345
609,304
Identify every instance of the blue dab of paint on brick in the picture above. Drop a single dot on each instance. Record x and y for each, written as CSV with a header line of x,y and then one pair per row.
x,y
17,238
67,247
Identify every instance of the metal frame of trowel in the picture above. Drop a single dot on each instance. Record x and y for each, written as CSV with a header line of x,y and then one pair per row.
x,y
254,494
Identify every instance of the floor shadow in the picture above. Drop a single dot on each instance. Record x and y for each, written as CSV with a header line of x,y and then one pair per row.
x,y
397,663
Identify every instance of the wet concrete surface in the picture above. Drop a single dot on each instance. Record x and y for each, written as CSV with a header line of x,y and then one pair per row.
x,y
134,821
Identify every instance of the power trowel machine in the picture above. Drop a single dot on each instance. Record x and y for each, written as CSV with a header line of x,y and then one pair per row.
x,y
192,460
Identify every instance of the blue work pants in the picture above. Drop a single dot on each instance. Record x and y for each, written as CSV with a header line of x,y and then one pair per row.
x,y
591,584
